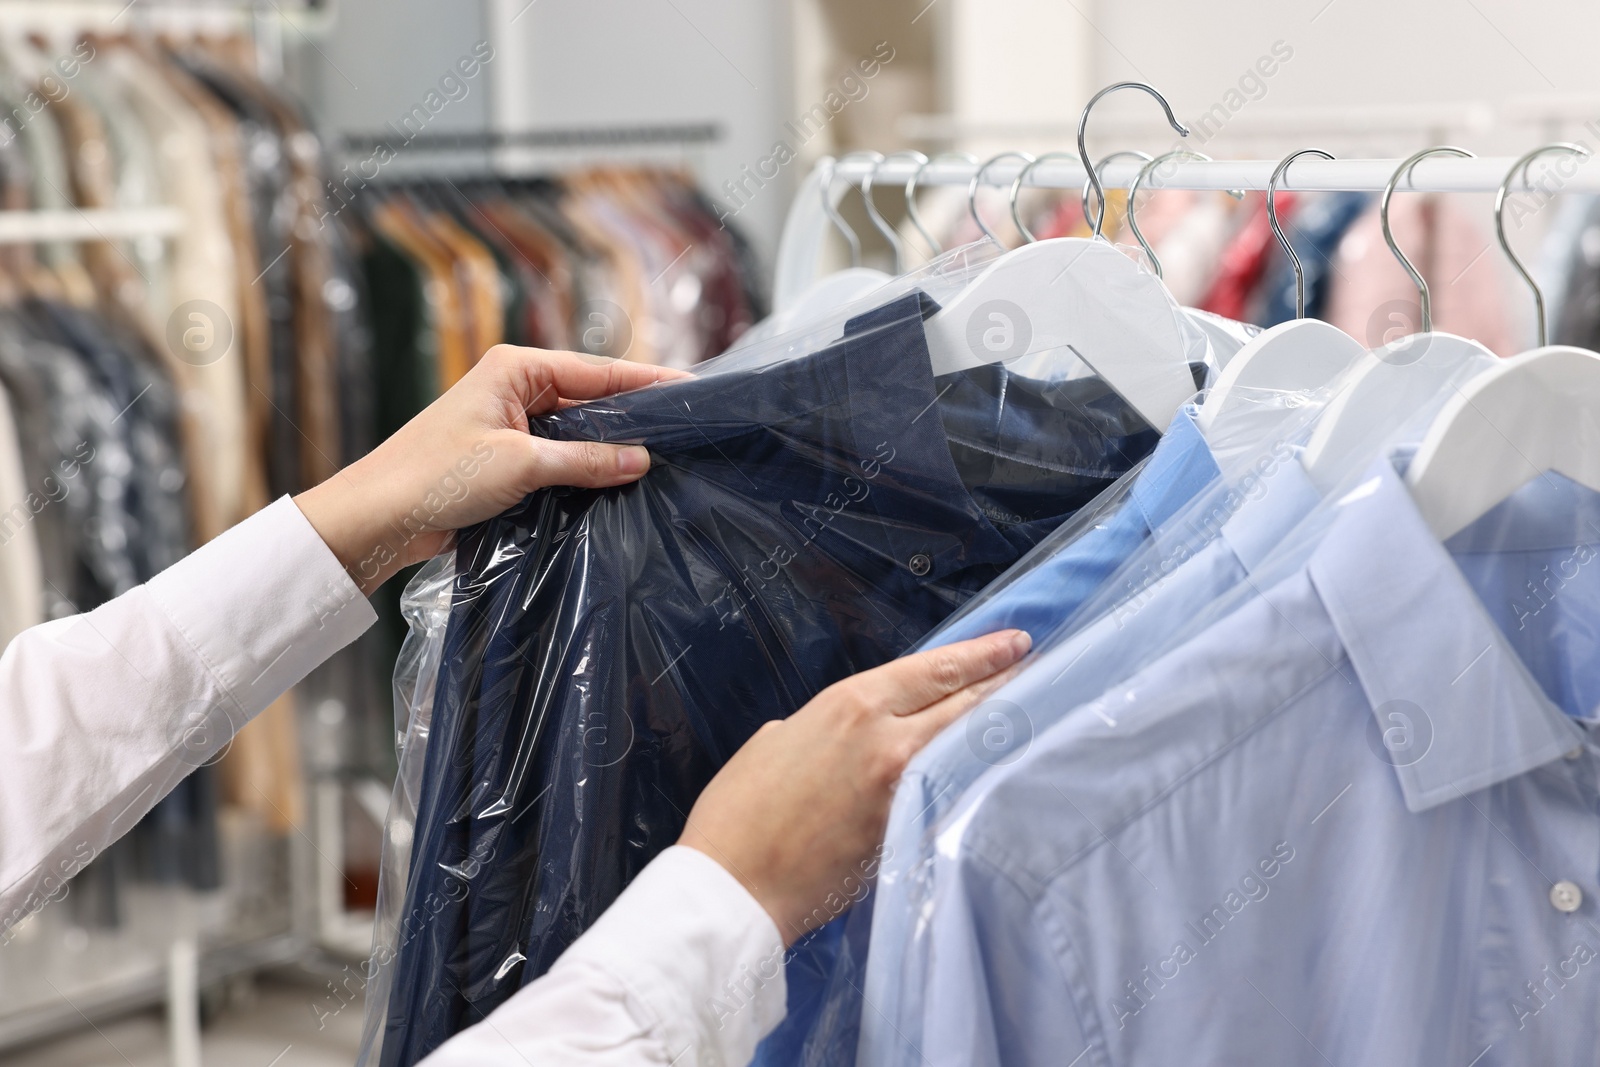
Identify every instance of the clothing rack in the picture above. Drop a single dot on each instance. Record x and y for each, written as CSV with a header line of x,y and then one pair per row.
x,y
695,133
79,16
167,950
520,152
265,21
1252,124
806,227
74,224
1432,175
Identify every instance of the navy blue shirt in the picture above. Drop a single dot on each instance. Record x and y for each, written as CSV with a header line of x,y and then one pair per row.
x,y
609,650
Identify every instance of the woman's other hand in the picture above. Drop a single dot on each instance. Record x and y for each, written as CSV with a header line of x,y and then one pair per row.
x,y
798,813
468,456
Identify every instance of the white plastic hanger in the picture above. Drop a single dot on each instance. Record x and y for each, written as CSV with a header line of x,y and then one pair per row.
x,y
842,287
1291,357
800,250
1536,413
1070,294
1388,385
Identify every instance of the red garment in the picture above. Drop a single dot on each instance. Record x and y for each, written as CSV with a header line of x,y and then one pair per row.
x,y
1246,257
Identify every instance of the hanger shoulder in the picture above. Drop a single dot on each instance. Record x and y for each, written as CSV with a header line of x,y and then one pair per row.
x,y
1385,389
800,246
1071,294
1531,414
1291,357
832,291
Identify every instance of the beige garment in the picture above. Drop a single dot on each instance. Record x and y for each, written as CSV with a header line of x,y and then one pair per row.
x,y
21,574
1375,301
203,268
316,388
261,771
623,271
229,381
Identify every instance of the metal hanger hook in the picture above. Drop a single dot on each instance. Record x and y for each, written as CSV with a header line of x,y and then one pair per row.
x,y
977,178
1277,230
911,193
876,159
889,232
1016,187
1500,220
1138,180
831,166
1099,173
878,221
1083,131
1404,171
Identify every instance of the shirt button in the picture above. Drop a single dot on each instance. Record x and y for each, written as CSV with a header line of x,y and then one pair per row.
x,y
1566,896
1575,753
920,564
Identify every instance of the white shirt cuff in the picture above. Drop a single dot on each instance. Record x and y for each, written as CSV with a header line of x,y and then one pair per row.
x,y
259,638
698,952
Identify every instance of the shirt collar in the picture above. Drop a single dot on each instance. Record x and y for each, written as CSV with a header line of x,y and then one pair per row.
x,y
886,364
1176,472
1455,710
1250,515
889,388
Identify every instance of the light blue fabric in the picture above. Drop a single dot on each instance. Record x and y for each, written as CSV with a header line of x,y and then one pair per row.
x,y
1149,604
825,967
1324,830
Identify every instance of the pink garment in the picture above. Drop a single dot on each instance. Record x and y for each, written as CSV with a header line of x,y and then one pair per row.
x,y
1375,301
1160,212
1065,219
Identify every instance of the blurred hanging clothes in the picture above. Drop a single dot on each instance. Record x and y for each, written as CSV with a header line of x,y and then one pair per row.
x,y
615,261
1375,301
21,570
1576,318
1318,225
157,391
1244,261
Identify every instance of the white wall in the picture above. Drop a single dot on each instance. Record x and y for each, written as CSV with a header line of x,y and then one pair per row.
x,y
1353,53
623,62
382,56
566,63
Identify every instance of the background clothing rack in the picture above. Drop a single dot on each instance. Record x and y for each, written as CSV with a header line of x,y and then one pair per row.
x,y
806,227
694,133
1432,175
89,224
519,153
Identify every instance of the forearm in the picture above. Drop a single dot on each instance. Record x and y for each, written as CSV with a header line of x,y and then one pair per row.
x,y
103,713
685,969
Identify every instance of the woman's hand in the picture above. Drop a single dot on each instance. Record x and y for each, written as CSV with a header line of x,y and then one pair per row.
x,y
798,813
469,456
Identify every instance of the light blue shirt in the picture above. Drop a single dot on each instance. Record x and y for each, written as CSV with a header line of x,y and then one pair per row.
x,y
1037,594
1148,605
1335,827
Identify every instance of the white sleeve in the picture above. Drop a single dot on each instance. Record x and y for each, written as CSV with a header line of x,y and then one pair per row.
x,y
101,714
685,969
